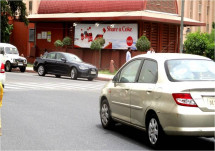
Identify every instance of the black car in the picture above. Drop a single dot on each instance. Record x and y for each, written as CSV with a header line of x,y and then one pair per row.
x,y
64,64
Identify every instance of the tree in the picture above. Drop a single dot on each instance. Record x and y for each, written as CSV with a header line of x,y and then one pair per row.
x,y
67,41
143,44
97,45
58,43
9,8
196,43
201,44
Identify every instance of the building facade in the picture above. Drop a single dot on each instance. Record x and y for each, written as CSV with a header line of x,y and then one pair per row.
x,y
201,10
121,23
32,6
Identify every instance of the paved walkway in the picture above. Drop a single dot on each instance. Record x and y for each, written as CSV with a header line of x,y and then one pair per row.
x,y
103,77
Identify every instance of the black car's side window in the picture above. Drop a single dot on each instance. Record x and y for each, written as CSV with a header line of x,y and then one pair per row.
x,y
149,72
129,72
51,56
59,56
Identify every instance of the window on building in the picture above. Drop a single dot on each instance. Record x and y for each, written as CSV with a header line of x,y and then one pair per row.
x,y
207,28
191,9
31,35
30,7
200,8
208,9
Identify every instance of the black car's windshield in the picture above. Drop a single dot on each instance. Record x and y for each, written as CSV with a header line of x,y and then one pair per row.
x,y
10,50
191,70
71,57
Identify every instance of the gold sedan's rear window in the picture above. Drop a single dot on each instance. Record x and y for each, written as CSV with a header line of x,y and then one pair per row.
x,y
190,70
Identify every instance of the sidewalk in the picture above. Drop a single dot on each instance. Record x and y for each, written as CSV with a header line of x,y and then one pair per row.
x,y
102,77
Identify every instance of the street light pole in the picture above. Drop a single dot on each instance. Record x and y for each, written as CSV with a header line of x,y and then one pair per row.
x,y
182,27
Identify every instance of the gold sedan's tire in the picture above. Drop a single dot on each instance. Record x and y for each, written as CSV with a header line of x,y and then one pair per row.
x,y
154,131
105,115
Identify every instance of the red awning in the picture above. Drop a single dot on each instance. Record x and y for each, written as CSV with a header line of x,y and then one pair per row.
x,y
115,16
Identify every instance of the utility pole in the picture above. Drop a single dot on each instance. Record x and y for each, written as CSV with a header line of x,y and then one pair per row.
x,y
182,26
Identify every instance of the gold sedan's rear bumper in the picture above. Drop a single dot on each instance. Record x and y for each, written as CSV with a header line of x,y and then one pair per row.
x,y
188,121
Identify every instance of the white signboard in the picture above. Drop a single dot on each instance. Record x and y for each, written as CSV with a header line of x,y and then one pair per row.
x,y
44,35
119,36
39,36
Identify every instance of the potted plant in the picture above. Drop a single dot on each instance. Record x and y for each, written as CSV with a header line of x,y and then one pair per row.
x,y
58,44
143,44
97,44
66,41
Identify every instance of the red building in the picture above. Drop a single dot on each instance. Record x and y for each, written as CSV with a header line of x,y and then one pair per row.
x,y
119,22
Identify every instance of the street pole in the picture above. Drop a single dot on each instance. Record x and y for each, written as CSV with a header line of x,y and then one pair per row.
x,y
182,27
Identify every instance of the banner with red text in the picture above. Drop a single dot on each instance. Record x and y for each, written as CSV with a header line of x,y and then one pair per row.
x,y
119,36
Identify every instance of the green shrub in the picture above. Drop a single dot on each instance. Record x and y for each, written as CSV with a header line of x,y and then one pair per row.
x,y
143,44
97,44
67,41
101,41
196,43
210,51
58,43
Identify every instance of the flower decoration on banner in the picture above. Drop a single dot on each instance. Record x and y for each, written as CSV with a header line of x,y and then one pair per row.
x,y
104,30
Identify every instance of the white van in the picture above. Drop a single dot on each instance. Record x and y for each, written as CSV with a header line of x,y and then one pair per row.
x,y
10,57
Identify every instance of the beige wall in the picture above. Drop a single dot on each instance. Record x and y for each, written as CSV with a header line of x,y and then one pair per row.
x,y
191,10
35,6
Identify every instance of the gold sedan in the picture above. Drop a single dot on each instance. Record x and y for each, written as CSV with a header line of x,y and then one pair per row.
x,y
164,94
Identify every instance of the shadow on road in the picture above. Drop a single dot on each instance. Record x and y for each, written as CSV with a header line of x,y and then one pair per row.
x,y
170,143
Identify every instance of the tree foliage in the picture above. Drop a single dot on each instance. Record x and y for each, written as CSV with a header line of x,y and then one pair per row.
x,y
201,44
58,43
196,43
67,41
143,44
97,44
11,8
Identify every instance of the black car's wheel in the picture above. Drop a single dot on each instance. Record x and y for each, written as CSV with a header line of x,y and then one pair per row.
x,y
8,67
22,69
154,131
90,79
41,70
57,76
106,119
74,73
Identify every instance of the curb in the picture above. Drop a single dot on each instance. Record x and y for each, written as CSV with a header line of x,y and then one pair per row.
x,y
102,79
98,78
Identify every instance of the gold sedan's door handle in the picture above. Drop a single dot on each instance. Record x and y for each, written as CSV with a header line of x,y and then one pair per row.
x,y
149,90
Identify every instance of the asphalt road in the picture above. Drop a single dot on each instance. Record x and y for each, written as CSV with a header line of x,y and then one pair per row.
x,y
48,113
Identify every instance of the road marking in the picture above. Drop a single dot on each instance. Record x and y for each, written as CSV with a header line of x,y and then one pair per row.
x,y
27,86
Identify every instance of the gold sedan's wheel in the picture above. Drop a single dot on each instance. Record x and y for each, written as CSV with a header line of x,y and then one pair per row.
x,y
105,115
153,131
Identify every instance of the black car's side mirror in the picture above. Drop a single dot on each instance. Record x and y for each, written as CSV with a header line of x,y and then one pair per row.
x,y
63,59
